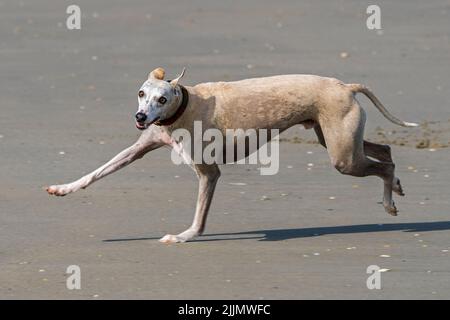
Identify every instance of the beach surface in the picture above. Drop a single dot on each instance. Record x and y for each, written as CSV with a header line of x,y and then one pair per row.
x,y
68,98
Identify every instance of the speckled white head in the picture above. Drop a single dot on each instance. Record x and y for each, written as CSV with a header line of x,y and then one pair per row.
x,y
157,99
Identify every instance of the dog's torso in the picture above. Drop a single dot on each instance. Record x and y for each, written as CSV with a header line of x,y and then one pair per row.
x,y
276,102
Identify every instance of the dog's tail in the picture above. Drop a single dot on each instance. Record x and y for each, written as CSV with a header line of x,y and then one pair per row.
x,y
355,87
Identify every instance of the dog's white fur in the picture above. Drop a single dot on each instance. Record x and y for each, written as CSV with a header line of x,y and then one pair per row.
x,y
325,104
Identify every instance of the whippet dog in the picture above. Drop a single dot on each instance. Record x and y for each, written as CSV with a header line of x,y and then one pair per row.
x,y
278,102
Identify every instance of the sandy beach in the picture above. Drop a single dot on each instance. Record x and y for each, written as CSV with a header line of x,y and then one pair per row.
x,y
68,98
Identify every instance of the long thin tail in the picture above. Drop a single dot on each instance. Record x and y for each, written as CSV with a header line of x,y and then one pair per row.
x,y
355,87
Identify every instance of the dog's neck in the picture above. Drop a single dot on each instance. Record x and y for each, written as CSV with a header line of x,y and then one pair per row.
x,y
180,110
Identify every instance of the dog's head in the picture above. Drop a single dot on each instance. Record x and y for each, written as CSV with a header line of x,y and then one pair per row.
x,y
157,99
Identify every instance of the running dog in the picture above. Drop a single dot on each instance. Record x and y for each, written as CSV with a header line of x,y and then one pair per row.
x,y
279,102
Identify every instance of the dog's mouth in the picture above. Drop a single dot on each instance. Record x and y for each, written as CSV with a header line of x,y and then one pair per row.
x,y
144,125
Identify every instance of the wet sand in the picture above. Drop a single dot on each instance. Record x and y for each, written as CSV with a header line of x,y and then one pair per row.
x,y
67,101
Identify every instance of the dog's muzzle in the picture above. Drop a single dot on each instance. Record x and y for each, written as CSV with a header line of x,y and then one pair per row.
x,y
141,117
140,121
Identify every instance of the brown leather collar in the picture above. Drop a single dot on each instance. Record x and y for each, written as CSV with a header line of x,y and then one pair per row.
x,y
180,110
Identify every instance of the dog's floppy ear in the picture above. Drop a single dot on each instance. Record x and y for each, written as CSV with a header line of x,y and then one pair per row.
x,y
174,82
158,73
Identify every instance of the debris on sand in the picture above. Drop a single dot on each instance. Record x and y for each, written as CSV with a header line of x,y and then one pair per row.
x,y
423,144
344,55
297,139
430,135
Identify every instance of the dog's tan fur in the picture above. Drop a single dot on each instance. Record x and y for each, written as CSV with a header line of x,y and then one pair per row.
x,y
158,73
279,102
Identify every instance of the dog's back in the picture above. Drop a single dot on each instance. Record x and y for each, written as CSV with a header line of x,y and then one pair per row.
x,y
271,102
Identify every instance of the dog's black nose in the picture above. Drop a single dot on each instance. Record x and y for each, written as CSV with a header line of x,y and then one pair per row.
x,y
141,117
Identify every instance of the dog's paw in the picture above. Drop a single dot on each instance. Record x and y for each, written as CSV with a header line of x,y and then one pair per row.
x,y
397,187
391,209
59,190
169,239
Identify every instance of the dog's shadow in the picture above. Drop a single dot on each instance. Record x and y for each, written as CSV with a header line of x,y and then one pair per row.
x,y
286,234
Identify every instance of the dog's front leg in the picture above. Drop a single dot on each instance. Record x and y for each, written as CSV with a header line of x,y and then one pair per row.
x,y
150,139
207,176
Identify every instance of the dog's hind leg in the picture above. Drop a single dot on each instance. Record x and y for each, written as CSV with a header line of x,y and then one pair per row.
x,y
207,176
377,151
382,153
345,145
151,139
320,136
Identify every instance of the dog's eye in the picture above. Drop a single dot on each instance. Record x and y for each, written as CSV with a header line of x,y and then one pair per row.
x,y
141,94
162,100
